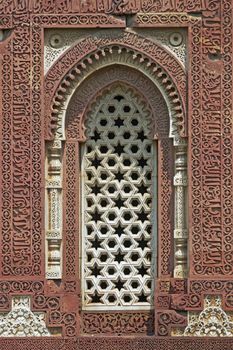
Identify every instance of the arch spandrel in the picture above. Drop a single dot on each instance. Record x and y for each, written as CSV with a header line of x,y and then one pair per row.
x,y
130,50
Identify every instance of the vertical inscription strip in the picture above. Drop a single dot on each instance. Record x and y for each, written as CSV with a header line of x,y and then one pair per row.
x,y
21,254
6,171
212,246
37,148
227,146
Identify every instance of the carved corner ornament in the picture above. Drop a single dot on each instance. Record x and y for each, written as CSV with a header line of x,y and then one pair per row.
x,y
21,321
213,321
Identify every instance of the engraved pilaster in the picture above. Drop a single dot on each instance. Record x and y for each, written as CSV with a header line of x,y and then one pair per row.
x,y
180,231
53,218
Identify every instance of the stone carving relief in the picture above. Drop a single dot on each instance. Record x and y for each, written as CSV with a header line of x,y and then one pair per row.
x,y
118,323
211,322
57,41
21,321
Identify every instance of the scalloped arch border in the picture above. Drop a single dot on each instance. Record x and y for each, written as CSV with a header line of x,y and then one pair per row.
x,y
103,80
130,49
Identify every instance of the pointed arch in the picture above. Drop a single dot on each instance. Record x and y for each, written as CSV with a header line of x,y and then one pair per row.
x,y
131,50
101,81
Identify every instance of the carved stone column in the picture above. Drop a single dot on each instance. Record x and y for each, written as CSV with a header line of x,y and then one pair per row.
x,y
180,231
53,219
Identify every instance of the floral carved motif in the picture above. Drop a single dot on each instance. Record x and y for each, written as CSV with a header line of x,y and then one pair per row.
x,y
5,21
167,320
152,19
117,323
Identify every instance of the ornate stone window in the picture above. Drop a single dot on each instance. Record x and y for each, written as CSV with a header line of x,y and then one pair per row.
x,y
119,220
116,178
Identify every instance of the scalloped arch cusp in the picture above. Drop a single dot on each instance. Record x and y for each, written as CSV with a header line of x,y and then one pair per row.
x,y
103,80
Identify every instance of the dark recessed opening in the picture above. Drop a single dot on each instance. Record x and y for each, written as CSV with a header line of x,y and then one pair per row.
x,y
111,109
126,135
127,298
103,122
134,122
126,109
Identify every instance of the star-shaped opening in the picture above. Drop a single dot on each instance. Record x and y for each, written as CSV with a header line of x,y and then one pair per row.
x,y
95,271
142,298
142,189
119,203
119,257
119,284
96,189
119,149
142,216
96,298
96,216
96,136
141,136
119,176
119,122
142,243
119,230
142,270
96,162
96,243
142,162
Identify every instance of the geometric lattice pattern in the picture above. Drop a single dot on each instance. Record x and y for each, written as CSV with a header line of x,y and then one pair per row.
x,y
118,161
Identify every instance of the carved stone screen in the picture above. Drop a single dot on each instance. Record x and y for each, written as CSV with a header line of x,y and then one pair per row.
x,y
118,166
116,174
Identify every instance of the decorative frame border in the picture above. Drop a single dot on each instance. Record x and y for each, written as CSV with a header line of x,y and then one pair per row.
x,y
210,118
